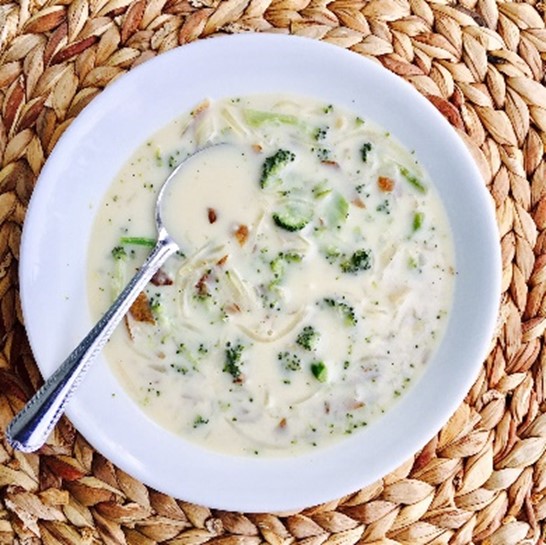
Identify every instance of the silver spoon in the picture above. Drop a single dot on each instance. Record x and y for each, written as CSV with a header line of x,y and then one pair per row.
x,y
31,427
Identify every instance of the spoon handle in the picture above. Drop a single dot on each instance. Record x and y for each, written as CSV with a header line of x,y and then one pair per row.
x,y
31,427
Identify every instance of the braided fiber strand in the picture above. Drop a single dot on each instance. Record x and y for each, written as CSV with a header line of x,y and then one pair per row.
x,y
482,479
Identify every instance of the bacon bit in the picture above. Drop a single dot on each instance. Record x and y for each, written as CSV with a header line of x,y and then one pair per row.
x,y
326,407
330,163
356,405
222,260
240,379
161,278
212,215
200,108
358,202
257,148
141,311
282,423
241,234
385,184
201,286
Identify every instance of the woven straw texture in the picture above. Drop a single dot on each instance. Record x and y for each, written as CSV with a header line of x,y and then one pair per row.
x,y
482,479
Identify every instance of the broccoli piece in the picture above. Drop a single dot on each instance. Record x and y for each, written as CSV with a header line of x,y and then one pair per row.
x,y
273,164
321,189
323,154
418,218
320,133
364,150
294,216
119,252
359,261
308,338
338,210
199,421
278,265
413,180
291,362
320,371
346,311
233,360
255,118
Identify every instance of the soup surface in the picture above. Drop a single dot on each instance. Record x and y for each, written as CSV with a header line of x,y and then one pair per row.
x,y
313,284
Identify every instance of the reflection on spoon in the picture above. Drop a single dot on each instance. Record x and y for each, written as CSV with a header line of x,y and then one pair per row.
x,y
30,428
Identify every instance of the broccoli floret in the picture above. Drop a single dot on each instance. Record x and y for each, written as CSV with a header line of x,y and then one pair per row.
x,y
233,360
320,133
361,260
364,150
273,164
291,362
346,310
323,154
308,338
294,216
119,252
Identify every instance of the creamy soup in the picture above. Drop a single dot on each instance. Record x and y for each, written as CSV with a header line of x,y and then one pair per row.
x,y
313,283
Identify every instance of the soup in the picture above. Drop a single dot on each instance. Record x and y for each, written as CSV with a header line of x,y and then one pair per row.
x,y
313,283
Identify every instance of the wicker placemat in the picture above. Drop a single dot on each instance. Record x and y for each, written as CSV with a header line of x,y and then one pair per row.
x,y
481,62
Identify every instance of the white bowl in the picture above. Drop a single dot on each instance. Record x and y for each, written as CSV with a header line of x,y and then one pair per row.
x,y
78,173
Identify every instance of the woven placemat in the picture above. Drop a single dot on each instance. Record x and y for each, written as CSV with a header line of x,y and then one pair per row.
x,y
482,479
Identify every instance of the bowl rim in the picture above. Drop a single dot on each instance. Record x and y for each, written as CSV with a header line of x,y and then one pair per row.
x,y
247,484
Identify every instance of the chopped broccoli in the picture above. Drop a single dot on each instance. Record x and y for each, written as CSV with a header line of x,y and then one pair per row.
x,y
321,189
364,150
273,164
359,261
291,362
308,338
199,421
278,265
320,133
255,118
346,311
139,241
413,180
294,216
320,371
233,360
119,252
338,210
418,218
